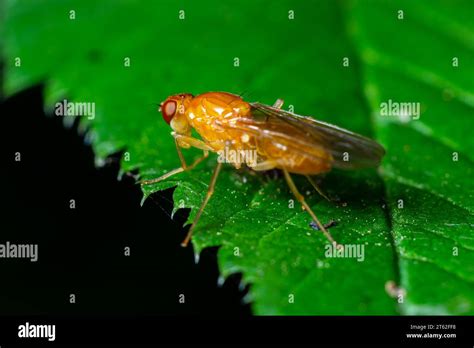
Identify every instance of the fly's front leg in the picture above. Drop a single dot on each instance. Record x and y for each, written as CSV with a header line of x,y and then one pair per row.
x,y
184,165
209,193
186,142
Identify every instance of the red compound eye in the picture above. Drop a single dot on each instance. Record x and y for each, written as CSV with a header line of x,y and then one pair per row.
x,y
168,110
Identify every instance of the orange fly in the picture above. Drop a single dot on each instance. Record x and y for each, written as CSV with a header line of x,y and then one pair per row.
x,y
280,139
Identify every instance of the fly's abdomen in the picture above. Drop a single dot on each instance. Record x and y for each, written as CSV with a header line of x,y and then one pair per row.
x,y
295,159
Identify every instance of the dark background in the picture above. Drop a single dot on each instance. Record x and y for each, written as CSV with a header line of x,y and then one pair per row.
x,y
81,251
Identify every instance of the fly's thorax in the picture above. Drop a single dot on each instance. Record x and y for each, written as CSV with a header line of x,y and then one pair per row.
x,y
216,106
296,158
207,112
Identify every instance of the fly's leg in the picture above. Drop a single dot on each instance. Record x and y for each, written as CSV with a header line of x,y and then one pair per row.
x,y
265,165
187,141
184,166
278,104
316,223
163,177
301,199
209,193
316,187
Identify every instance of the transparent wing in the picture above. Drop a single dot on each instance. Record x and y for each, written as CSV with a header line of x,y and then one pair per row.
x,y
302,134
349,150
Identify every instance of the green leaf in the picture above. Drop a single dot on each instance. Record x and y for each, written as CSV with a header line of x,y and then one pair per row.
x,y
252,216
429,166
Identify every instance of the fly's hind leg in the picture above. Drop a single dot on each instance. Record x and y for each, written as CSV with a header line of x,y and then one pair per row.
x,y
183,141
301,199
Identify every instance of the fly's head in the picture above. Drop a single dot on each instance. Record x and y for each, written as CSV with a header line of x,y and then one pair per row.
x,y
173,110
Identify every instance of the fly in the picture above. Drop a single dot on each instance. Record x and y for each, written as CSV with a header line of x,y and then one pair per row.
x,y
279,139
